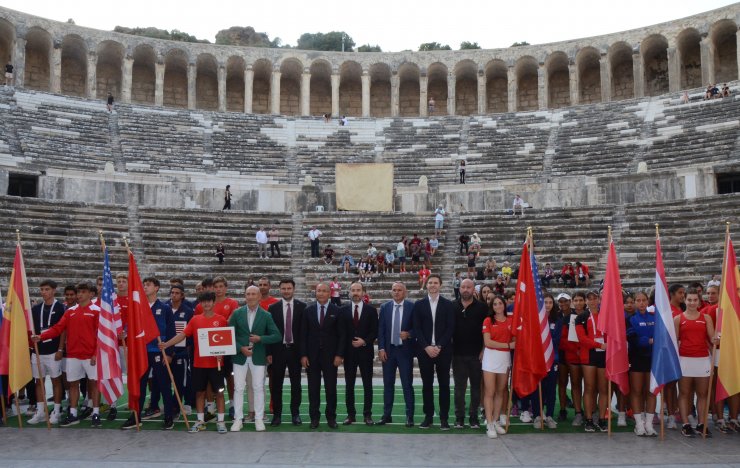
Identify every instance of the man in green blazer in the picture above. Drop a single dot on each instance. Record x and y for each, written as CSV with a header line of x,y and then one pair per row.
x,y
253,329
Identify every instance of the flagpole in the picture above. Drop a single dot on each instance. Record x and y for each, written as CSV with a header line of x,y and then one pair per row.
x,y
174,385
609,381
136,413
2,406
530,240
662,395
18,410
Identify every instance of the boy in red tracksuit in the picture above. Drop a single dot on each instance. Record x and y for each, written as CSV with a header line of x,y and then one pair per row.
x,y
81,324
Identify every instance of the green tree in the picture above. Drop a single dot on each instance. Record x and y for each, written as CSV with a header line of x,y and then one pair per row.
x,y
369,48
433,46
518,44
244,36
156,33
465,45
329,41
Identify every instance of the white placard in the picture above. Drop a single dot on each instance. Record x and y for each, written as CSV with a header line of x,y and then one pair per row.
x,y
216,341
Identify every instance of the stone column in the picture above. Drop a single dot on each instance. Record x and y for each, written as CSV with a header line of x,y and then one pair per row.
x,y
159,84
365,93
707,61
482,93
335,94
637,75
606,79
451,88
512,87
395,95
221,88
275,92
574,84
92,79
18,56
423,100
543,88
127,79
56,68
674,70
306,92
192,82
248,89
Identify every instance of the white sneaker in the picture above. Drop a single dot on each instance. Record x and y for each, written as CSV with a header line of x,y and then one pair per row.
x,y
491,430
640,428
622,420
525,417
37,418
259,425
578,420
551,423
502,419
537,423
671,424
54,417
236,426
650,430
500,429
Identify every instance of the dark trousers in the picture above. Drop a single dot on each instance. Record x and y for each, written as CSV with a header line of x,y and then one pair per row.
x,y
402,359
466,368
548,394
161,379
274,245
428,367
227,205
464,245
362,358
181,372
318,367
315,248
286,358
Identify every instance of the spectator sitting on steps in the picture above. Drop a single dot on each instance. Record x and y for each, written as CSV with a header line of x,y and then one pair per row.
x,y
328,255
220,252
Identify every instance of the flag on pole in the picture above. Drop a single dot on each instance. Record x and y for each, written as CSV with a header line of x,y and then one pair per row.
x,y
728,324
612,324
141,330
3,353
665,366
110,376
544,319
17,323
529,359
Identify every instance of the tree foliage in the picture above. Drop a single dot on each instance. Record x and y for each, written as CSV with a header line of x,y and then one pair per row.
x,y
433,46
465,45
369,48
245,36
174,35
329,41
518,44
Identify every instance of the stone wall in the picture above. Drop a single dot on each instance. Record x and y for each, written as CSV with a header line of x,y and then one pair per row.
x,y
143,87
206,90
37,69
290,96
466,97
74,76
261,97
320,97
380,99
727,62
498,98
350,98
235,94
528,92
590,86
175,88
409,99
623,82
559,89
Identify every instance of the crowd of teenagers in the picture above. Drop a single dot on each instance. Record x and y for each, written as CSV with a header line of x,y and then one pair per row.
x,y
467,339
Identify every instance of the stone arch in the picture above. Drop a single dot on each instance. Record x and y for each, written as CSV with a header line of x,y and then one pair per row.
x,y
262,79
206,82
437,87
558,80
176,78
589,75
144,75
109,69
74,66
380,90
408,90
689,55
290,86
350,89
7,40
466,87
235,67
654,49
526,80
723,35
38,59
497,86
621,70
320,99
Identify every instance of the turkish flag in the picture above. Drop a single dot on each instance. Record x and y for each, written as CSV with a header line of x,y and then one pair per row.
x,y
220,337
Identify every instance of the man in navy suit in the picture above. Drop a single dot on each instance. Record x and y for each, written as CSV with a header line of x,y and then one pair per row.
x,y
396,351
323,343
362,321
286,353
434,324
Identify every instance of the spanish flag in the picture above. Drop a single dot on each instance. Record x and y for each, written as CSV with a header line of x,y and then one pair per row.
x,y
16,359
728,324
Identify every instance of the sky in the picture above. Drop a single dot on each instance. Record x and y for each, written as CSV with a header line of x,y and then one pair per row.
x,y
394,25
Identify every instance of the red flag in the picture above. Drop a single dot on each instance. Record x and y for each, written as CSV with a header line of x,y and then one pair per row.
x,y
728,325
220,338
15,360
612,324
529,358
141,330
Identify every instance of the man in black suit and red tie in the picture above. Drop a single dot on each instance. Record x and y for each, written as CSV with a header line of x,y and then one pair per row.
x,y
434,324
287,314
362,320
323,344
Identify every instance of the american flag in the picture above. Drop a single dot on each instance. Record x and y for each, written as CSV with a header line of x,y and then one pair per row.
x,y
544,323
110,378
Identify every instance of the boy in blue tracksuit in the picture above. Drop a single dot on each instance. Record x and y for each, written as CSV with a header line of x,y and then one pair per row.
x,y
160,377
182,312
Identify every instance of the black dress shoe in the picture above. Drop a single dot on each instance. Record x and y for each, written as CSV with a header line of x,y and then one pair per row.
x,y
369,421
385,420
332,423
297,420
349,420
444,425
275,421
315,423
426,424
409,422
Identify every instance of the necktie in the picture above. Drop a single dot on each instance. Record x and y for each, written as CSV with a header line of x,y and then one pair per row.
x,y
357,316
321,319
289,326
396,329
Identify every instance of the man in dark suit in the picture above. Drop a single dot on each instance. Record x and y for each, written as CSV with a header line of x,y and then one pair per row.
x,y
396,351
362,321
286,353
434,324
323,343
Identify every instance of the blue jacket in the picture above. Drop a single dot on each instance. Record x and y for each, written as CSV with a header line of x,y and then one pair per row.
x,y
640,328
556,330
182,318
166,323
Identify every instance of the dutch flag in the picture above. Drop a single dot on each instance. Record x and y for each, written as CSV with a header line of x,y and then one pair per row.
x,y
665,366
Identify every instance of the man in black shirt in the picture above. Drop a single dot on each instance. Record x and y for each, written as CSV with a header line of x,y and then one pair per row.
x,y
468,346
